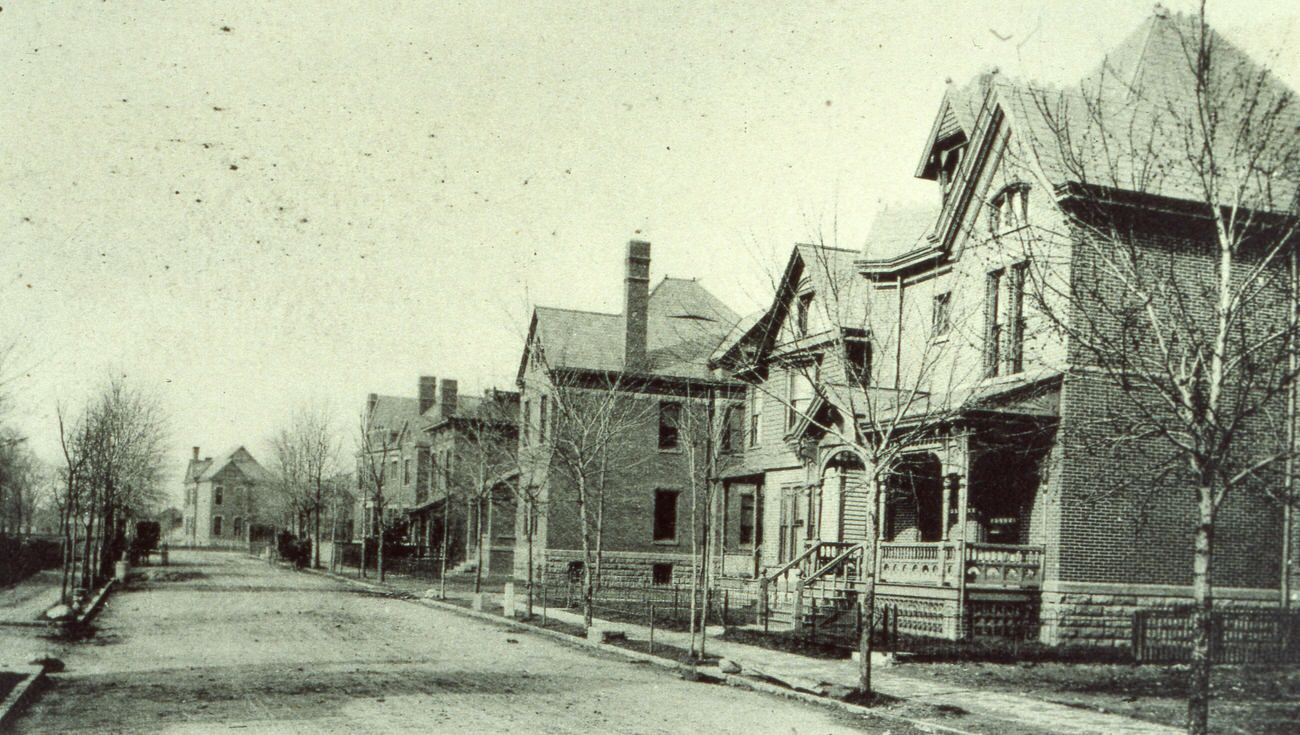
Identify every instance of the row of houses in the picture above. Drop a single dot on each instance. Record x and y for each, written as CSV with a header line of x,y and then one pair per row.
x,y
923,411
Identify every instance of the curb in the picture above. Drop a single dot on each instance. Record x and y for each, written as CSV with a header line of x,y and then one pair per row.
x,y
738,681
96,603
22,695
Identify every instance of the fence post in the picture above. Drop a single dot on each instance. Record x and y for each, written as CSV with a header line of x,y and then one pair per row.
x,y
676,589
893,636
1137,636
726,605
798,607
543,602
762,602
652,626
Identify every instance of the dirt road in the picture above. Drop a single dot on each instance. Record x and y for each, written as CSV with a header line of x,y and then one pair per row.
x,y
219,642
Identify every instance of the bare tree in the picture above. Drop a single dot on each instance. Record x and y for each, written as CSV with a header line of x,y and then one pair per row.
x,y
307,455
482,455
591,418
114,459
377,446
1177,192
872,385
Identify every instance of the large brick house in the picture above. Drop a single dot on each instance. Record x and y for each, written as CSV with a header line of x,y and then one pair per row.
x,y
225,500
426,447
471,455
398,447
630,394
1002,507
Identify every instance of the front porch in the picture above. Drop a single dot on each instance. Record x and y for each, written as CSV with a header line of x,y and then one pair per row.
x,y
948,536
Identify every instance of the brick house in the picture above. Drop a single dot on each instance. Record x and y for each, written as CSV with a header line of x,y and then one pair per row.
x,y
400,448
998,511
225,504
643,375
471,445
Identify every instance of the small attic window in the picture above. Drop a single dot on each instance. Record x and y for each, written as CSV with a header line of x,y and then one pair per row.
x,y
802,308
949,160
1009,209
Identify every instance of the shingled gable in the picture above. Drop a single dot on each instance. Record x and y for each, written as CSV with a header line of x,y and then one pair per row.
x,y
686,324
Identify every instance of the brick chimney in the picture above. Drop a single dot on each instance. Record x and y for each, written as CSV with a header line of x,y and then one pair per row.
x,y
427,392
371,400
636,305
196,453
448,397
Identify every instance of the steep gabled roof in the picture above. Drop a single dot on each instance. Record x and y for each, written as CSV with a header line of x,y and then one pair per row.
x,y
685,324
241,460
831,272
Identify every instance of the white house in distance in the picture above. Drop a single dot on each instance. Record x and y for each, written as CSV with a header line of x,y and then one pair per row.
x,y
222,497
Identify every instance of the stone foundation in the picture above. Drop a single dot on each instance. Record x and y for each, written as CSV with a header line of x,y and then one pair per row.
x,y
1086,614
618,568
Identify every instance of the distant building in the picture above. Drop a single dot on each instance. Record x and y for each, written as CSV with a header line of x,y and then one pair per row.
x,y
224,500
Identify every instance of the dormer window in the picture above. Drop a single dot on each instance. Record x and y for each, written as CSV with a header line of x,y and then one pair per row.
x,y
802,308
949,160
1009,209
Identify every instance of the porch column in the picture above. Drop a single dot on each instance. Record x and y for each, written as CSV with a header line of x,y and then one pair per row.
x,y
956,477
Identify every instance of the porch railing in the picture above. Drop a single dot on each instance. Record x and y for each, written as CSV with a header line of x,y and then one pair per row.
x,y
786,583
984,565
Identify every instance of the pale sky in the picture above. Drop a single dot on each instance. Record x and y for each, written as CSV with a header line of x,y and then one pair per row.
x,y
250,205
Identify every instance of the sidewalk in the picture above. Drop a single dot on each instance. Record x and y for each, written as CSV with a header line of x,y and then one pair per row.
x,y
26,602
812,673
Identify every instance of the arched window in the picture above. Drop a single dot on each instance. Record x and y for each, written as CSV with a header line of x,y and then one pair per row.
x,y
1009,209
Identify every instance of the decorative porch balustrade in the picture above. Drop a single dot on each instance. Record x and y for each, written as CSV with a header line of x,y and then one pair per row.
x,y
1000,566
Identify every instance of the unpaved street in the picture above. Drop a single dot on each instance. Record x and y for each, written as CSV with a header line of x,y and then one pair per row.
x,y
219,642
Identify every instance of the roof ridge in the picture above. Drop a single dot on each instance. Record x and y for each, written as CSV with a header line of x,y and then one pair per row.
x,y
826,247
576,311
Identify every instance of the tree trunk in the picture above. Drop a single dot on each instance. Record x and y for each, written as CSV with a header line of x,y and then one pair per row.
x,y
478,546
446,539
528,530
586,553
868,602
1198,690
379,554
315,544
365,537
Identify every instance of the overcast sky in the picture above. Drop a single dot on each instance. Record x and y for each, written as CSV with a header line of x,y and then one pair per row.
x,y
249,206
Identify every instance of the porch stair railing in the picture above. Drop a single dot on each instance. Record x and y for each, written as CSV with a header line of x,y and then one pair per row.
x,y
821,582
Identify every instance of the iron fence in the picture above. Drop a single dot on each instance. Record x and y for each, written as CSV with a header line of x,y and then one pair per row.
x,y
1236,636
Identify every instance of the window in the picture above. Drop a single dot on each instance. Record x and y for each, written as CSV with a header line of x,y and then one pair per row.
x,y
755,416
661,574
406,471
992,321
1004,320
858,355
802,309
218,493
729,441
799,392
216,525
541,420
747,518
949,160
665,518
670,415
239,527
942,317
527,433
1009,209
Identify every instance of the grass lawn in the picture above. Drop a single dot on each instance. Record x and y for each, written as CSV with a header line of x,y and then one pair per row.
x,y
1246,699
